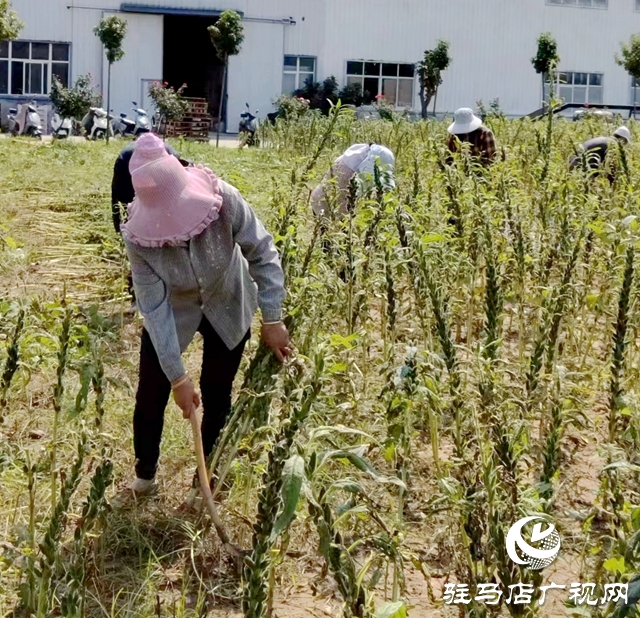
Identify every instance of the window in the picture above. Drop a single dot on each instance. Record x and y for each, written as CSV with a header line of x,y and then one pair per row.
x,y
393,81
588,4
297,71
26,67
576,87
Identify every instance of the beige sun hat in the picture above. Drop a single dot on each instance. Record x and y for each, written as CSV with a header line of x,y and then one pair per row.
x,y
464,121
624,133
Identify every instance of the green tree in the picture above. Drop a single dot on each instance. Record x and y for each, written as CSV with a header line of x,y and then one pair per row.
x,y
10,24
111,31
227,35
430,70
546,59
630,60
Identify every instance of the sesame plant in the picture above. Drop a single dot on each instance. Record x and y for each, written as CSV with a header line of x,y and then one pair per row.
x,y
466,354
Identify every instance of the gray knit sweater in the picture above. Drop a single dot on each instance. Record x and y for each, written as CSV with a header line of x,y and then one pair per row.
x,y
215,275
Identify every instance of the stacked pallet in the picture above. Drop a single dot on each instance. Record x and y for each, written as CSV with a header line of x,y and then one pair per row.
x,y
194,125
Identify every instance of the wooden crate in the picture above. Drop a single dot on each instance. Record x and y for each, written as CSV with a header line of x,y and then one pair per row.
x,y
195,124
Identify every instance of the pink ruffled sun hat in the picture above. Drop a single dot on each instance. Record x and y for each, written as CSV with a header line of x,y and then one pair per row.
x,y
172,203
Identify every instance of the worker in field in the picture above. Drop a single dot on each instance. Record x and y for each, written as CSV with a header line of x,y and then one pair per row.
x,y
593,153
331,197
467,128
201,261
122,193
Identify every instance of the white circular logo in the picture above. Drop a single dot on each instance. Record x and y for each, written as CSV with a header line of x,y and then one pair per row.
x,y
540,551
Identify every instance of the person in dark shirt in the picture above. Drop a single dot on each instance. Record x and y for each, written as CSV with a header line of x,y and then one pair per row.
x,y
594,151
122,193
468,128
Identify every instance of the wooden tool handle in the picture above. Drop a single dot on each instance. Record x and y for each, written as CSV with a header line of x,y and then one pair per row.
x,y
203,476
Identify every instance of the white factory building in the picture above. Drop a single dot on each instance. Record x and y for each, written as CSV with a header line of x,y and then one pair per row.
x,y
372,42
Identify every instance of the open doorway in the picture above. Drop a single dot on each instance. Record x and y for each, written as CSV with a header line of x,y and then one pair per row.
x,y
189,58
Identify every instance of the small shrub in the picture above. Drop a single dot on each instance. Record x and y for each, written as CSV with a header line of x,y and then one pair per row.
x,y
352,94
494,110
169,102
384,108
291,108
320,95
74,102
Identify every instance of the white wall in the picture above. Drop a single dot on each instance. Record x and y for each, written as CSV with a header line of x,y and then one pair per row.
x,y
143,49
255,75
492,42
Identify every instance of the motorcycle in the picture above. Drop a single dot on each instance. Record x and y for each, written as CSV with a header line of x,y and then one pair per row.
x,y
25,122
62,127
248,128
12,121
142,124
124,126
96,124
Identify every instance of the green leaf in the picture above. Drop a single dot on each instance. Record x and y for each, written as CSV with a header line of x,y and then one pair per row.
x,y
327,430
364,466
392,610
592,301
633,592
11,242
390,451
292,478
346,342
337,368
359,510
615,565
429,238
622,465
349,485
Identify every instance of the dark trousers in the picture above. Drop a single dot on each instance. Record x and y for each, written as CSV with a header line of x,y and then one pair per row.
x,y
130,288
219,367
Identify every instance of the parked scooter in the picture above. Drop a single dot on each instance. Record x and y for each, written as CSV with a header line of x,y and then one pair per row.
x,y
124,126
96,124
248,128
12,121
62,127
25,122
143,125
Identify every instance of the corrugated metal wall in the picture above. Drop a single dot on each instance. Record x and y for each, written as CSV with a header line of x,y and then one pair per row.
x,y
492,42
